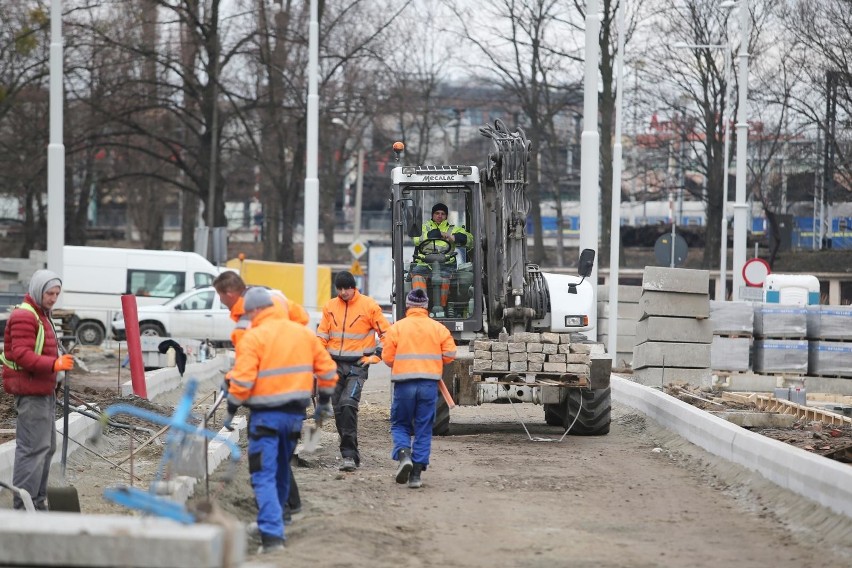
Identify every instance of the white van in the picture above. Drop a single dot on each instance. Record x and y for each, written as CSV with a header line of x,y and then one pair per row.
x,y
94,279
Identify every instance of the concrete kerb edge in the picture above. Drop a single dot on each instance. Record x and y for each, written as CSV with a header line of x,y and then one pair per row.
x,y
822,480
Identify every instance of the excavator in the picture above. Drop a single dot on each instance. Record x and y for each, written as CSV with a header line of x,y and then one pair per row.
x,y
482,286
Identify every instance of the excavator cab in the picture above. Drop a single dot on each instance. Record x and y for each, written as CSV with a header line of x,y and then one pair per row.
x,y
436,243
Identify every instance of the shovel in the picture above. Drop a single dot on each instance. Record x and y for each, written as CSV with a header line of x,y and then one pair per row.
x,y
64,498
311,433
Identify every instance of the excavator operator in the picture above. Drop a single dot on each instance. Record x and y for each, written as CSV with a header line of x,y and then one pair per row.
x,y
443,272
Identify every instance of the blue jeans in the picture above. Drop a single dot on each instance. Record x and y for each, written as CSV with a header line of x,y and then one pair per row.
x,y
272,440
412,417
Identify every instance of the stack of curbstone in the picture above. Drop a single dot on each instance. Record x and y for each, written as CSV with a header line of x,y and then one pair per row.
x,y
733,327
829,345
627,313
674,334
553,354
780,345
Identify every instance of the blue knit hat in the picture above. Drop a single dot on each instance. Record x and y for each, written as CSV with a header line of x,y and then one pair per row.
x,y
417,298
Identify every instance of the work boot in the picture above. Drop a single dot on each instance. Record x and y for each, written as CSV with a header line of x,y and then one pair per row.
x,y
405,465
270,544
288,515
348,464
414,479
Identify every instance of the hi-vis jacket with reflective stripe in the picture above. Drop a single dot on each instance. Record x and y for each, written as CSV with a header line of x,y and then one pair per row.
x,y
418,347
294,311
35,375
276,362
348,328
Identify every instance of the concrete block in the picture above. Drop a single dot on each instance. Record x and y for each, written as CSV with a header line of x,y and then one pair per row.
x,y
500,356
625,311
534,347
625,326
481,345
683,280
658,376
550,338
564,338
673,304
499,347
626,294
527,337
518,366
559,358
534,367
730,353
565,348
577,369
116,540
515,357
670,329
554,368
535,357
503,337
499,365
682,355
481,365
517,347
549,348
580,358
584,348
480,354
600,370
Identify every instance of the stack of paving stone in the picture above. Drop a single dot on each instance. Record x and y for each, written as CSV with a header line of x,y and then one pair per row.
x,y
557,355
627,313
733,327
674,334
830,341
780,346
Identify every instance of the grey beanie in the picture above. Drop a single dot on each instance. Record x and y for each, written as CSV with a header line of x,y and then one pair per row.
x,y
42,281
417,298
257,297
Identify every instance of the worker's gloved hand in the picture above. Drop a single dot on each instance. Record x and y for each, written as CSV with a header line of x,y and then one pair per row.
x,y
227,424
64,363
225,386
368,360
323,410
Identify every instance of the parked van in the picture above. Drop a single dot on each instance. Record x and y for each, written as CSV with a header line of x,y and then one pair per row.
x,y
94,279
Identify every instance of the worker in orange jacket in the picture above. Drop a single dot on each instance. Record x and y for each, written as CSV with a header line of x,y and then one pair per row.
x,y
348,330
416,348
231,290
276,363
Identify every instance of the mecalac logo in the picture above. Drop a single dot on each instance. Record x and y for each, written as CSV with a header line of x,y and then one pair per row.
x,y
437,178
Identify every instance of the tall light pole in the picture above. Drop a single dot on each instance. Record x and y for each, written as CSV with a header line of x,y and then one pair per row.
x,y
311,223
740,206
590,141
55,148
615,226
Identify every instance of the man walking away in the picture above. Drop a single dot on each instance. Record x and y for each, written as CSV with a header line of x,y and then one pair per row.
x,y
348,330
416,348
273,375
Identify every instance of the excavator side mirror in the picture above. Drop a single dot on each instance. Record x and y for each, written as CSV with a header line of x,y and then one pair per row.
x,y
586,263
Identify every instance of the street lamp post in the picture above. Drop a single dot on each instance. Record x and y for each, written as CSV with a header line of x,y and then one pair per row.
x,y
56,147
615,221
740,207
311,222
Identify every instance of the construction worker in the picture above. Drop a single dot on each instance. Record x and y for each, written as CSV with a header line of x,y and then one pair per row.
x,y
231,290
457,239
276,362
348,330
416,348
31,360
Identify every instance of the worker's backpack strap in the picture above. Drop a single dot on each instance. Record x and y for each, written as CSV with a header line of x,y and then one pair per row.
x,y
39,344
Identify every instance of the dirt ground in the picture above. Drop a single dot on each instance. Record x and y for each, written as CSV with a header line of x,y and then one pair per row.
x,y
638,497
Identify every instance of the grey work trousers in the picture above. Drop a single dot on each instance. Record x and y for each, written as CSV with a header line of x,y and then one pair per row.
x,y
35,443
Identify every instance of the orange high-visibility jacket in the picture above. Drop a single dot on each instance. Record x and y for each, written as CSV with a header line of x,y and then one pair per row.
x,y
293,310
276,362
418,347
348,328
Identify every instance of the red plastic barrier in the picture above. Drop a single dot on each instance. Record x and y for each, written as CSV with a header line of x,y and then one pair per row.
x,y
134,345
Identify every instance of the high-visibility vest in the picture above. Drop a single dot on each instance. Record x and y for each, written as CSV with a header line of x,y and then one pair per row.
x,y
39,344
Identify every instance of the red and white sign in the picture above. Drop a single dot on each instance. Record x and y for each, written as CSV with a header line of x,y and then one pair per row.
x,y
755,271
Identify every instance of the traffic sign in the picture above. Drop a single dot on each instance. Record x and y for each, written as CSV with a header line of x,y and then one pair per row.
x,y
755,271
357,248
356,269
663,250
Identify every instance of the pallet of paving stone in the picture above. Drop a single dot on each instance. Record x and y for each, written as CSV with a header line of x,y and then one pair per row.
x,y
829,322
780,356
732,319
730,353
830,358
780,322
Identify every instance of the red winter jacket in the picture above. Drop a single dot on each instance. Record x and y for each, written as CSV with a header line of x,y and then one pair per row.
x,y
35,375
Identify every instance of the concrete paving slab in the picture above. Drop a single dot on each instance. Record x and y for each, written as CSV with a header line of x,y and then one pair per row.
x,y
68,539
683,280
626,294
672,329
682,355
659,376
673,304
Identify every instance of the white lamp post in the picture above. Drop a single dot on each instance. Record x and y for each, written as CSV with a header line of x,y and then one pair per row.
x,y
615,226
740,207
590,140
55,148
311,223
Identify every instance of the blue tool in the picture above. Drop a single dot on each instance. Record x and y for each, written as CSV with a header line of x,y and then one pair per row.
x,y
181,436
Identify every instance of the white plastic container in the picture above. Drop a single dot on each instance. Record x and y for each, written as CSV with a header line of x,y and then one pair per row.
x,y
791,289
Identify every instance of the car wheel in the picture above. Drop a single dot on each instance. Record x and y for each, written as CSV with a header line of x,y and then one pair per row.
x,y
90,333
150,329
